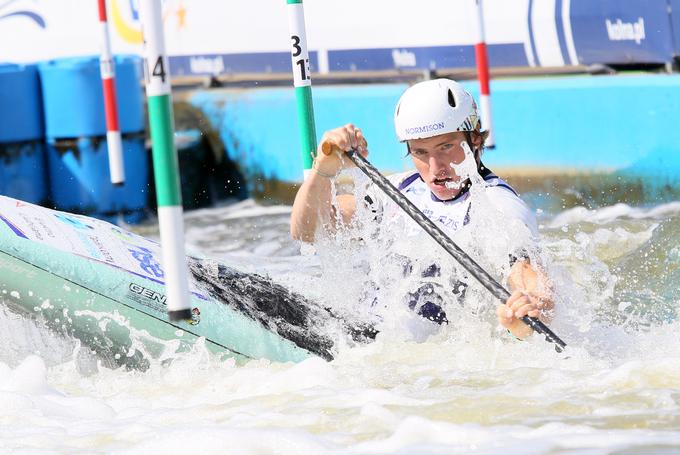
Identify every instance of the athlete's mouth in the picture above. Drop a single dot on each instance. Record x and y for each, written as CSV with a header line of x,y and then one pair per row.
x,y
444,182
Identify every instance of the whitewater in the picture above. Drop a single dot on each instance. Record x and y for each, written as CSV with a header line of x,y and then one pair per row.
x,y
466,388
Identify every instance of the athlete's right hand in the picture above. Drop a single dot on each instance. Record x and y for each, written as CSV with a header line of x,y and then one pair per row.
x,y
334,143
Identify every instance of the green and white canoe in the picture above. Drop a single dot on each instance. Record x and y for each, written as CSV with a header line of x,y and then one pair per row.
x,y
103,285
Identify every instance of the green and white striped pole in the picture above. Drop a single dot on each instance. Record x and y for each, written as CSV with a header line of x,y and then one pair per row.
x,y
166,168
302,80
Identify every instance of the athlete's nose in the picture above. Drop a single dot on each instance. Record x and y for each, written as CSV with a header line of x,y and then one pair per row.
x,y
438,166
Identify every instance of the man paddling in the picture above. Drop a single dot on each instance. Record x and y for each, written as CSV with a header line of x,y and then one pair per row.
x,y
438,121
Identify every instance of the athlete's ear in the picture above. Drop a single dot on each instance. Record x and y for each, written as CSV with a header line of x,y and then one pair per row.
x,y
478,139
483,135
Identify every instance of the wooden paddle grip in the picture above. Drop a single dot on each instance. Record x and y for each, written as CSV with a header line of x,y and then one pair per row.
x,y
327,148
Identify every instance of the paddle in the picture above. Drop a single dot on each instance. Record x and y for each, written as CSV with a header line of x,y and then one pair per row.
x,y
442,239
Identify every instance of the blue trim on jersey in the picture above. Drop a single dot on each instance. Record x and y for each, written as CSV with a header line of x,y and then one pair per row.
x,y
485,173
508,187
466,220
408,180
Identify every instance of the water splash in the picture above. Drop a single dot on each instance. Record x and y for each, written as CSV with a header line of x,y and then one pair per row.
x,y
466,169
466,388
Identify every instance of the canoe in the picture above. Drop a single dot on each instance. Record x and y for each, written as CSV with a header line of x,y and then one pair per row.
x,y
94,281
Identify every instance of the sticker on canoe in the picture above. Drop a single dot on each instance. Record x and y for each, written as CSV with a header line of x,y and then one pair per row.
x,y
156,301
86,237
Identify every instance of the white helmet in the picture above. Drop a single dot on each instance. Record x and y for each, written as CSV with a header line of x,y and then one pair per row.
x,y
434,107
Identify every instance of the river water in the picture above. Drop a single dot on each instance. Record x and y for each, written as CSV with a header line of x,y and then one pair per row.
x,y
467,388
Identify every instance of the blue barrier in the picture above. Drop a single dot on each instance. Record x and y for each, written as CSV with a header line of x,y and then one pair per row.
x,y
73,100
76,127
586,124
616,32
22,154
22,171
259,127
80,179
20,104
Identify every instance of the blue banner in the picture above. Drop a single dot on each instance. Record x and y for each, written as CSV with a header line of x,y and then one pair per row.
x,y
621,32
434,57
215,64
566,32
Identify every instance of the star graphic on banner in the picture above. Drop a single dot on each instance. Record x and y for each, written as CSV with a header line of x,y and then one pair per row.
x,y
181,16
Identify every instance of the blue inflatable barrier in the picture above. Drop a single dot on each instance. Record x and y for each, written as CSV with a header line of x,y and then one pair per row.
x,y
22,154
80,180
22,171
73,99
20,104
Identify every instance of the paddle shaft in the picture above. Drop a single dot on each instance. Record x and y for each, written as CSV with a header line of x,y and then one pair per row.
x,y
442,239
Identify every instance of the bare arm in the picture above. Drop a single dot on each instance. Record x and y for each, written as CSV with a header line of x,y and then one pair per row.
x,y
313,206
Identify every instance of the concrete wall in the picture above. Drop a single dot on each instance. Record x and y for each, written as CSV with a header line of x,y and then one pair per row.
x,y
584,123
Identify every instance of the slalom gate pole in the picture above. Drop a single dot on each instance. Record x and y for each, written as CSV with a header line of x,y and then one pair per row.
x,y
482,59
107,70
302,80
165,162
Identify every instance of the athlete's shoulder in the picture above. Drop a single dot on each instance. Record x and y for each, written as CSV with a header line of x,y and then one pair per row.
x,y
403,179
508,202
400,180
491,180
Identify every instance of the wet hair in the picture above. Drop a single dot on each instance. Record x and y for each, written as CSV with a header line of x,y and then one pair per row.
x,y
484,135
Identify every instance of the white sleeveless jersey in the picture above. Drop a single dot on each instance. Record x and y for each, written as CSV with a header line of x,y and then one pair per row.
x,y
450,215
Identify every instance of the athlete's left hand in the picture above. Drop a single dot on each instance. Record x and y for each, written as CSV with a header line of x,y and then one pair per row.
x,y
531,296
520,304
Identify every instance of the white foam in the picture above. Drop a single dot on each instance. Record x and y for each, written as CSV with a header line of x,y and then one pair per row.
x,y
609,214
244,209
466,388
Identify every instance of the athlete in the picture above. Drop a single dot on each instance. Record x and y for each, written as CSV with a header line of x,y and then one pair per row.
x,y
439,123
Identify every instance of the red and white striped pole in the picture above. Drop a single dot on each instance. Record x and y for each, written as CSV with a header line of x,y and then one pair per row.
x,y
483,75
107,69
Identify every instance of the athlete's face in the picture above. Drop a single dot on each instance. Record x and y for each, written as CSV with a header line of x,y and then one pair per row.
x,y
433,157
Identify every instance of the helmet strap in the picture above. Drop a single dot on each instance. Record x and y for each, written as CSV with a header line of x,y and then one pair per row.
x,y
476,150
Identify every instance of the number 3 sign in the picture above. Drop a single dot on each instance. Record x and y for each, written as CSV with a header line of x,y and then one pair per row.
x,y
299,53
